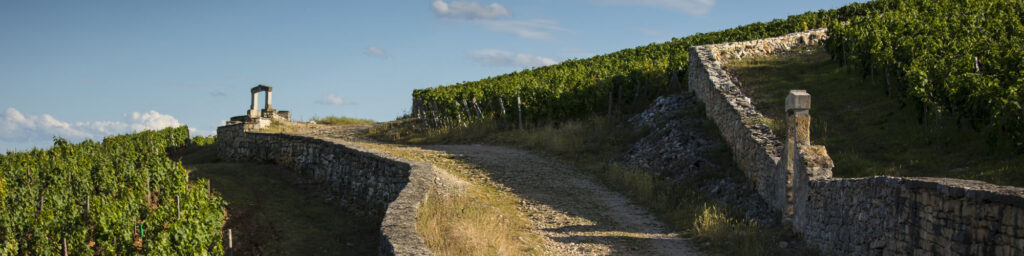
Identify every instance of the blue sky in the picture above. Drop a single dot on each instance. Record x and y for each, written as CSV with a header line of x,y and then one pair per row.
x,y
89,69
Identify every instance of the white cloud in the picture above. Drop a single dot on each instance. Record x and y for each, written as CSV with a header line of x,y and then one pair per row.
x,y
489,16
152,121
532,29
16,127
468,10
376,52
694,7
493,57
331,99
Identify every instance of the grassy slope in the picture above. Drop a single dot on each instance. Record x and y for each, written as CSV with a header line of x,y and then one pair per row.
x,y
269,213
868,133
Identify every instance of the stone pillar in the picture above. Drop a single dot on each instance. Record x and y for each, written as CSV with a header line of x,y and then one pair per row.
x,y
255,100
253,111
798,116
798,133
269,106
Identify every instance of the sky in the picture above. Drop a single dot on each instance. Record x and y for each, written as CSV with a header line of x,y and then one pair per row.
x,y
90,69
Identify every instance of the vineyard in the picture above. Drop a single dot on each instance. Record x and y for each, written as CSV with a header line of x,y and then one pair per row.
x,y
952,59
959,60
121,196
618,82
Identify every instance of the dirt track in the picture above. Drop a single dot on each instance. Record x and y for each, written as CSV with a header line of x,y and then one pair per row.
x,y
579,215
574,213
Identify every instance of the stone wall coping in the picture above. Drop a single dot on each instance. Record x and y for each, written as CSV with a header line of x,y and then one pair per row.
x,y
952,188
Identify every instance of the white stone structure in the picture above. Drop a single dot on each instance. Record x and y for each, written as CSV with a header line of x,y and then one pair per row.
x,y
260,118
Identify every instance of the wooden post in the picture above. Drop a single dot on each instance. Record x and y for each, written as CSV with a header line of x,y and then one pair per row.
x,y
40,209
465,104
438,122
519,107
501,103
177,201
477,107
458,112
230,243
64,245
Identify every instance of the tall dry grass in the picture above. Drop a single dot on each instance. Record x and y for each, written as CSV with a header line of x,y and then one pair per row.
x,y
475,222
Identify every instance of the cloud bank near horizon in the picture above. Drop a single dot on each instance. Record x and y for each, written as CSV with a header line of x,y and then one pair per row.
x,y
25,130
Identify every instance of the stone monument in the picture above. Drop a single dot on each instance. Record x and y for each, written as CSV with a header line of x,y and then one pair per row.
x,y
260,118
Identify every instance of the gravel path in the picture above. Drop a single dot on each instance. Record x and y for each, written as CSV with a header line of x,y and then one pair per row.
x,y
577,213
574,212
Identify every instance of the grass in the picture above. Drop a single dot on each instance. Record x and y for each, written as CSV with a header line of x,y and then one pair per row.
x,y
279,127
590,144
477,217
335,120
270,215
869,133
474,222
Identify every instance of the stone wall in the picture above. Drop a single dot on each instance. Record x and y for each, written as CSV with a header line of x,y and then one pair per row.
x,y
859,216
364,180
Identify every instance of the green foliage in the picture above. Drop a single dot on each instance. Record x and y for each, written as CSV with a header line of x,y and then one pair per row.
x,y
203,140
581,87
959,58
130,185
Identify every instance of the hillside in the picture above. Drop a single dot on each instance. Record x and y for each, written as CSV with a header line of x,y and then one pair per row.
x,y
869,133
621,82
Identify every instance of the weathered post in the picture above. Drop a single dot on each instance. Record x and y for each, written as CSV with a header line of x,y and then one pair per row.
x,y
469,114
519,107
458,111
230,243
64,245
501,103
477,107
798,124
177,202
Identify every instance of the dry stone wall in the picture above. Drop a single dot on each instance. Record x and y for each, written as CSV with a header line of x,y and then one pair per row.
x,y
860,216
364,180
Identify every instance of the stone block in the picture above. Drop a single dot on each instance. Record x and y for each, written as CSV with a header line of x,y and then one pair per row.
x,y
798,100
